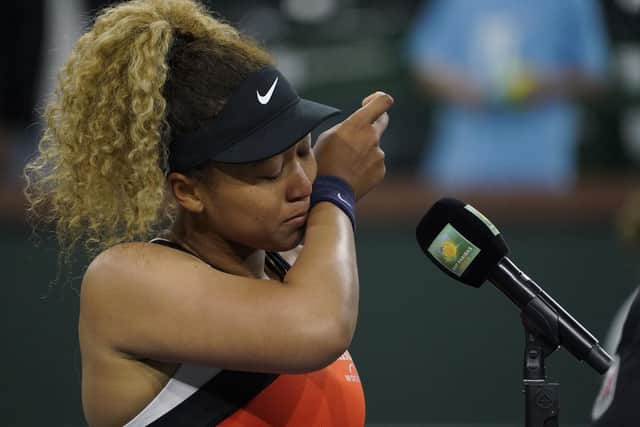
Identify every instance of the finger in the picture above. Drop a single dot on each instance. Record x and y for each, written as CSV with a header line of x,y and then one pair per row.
x,y
370,112
369,98
380,124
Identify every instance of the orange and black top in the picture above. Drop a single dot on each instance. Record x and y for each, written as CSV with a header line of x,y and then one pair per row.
x,y
331,396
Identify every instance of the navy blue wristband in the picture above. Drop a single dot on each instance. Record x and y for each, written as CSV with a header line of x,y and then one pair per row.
x,y
328,188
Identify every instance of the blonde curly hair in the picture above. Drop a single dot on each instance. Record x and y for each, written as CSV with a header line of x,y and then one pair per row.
x,y
146,66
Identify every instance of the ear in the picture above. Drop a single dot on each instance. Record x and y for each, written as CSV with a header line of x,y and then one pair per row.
x,y
186,192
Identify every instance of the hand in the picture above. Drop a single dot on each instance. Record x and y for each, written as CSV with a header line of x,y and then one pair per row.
x,y
351,149
520,88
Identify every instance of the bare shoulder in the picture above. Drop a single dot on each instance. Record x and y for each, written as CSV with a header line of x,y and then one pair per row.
x,y
127,272
133,256
120,266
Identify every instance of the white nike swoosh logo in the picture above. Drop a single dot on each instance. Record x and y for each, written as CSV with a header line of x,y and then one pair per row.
x,y
264,99
341,198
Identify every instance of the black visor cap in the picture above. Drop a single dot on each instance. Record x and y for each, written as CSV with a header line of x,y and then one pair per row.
x,y
263,117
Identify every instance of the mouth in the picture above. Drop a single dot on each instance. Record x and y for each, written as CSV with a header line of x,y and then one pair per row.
x,y
299,219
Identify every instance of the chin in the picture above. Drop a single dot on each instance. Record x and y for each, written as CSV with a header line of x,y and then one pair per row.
x,y
287,242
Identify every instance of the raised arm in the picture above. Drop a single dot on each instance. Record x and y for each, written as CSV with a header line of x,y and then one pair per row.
x,y
148,301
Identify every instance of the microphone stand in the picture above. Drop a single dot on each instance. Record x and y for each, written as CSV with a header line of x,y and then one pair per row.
x,y
541,400
542,337
541,397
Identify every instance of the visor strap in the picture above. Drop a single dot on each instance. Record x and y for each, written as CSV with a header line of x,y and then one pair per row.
x,y
328,188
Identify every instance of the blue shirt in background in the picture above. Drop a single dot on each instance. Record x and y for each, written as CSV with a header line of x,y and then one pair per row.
x,y
486,42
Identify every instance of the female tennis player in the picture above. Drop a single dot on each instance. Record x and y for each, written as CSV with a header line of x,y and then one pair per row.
x,y
166,118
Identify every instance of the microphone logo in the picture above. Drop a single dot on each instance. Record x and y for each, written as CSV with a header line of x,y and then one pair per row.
x,y
449,250
452,250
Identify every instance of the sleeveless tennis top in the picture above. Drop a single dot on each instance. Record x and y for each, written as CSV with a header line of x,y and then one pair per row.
x,y
329,397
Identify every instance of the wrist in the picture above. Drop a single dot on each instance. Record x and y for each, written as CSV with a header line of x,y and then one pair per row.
x,y
335,190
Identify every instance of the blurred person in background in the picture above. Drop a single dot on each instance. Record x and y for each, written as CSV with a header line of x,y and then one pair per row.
x,y
168,122
506,76
22,29
616,404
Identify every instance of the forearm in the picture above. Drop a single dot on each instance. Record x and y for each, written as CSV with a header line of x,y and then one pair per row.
x,y
326,269
446,86
324,279
573,85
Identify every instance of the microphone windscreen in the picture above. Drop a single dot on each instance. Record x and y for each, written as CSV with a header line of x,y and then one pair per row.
x,y
461,241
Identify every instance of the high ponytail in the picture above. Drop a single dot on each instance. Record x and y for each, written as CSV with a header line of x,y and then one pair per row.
x,y
98,175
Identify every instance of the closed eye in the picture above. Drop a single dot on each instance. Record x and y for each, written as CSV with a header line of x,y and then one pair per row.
x,y
273,176
270,169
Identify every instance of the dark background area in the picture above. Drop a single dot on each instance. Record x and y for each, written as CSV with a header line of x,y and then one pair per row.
x,y
430,351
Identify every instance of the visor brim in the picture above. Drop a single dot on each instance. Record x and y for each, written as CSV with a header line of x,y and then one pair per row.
x,y
281,133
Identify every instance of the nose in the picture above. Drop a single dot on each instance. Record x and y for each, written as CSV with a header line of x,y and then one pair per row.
x,y
299,187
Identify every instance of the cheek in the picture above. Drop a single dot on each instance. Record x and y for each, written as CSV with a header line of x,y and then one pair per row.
x,y
251,216
262,223
262,205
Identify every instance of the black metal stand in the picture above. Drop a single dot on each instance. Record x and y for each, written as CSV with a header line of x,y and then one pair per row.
x,y
542,404
544,320
542,337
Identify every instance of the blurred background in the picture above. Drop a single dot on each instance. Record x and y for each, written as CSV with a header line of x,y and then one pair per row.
x,y
530,111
